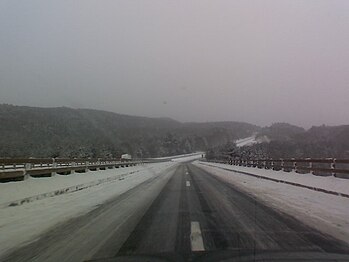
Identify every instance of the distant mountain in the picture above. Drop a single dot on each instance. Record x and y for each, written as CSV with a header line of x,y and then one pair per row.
x,y
288,141
67,132
317,142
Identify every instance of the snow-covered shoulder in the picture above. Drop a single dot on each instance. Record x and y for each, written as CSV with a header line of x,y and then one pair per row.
x,y
22,223
325,212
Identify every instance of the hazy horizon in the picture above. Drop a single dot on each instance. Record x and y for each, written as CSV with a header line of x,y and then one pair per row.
x,y
165,117
259,62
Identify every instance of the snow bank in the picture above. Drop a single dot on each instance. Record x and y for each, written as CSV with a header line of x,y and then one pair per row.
x,y
21,224
19,192
325,212
329,183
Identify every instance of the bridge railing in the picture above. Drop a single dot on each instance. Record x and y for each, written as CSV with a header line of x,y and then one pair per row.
x,y
317,166
20,168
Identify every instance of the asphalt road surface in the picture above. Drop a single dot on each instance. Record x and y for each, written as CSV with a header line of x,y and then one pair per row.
x,y
183,214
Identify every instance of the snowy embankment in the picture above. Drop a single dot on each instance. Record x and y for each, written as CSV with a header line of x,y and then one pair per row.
x,y
329,184
22,223
31,189
325,212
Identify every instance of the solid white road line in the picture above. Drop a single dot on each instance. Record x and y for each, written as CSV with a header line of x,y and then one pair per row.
x,y
188,183
197,244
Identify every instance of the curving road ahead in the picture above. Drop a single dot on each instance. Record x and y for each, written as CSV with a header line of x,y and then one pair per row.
x,y
182,214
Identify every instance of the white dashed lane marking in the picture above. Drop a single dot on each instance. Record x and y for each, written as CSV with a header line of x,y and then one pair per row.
x,y
197,243
188,183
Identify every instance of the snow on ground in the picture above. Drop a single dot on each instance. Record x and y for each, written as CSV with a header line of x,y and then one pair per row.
x,y
21,224
325,212
39,188
328,183
14,191
186,158
248,141
183,157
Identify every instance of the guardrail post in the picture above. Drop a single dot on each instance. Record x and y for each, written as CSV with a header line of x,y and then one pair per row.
x,y
333,166
86,166
311,166
295,165
271,164
27,166
72,164
98,163
54,165
282,164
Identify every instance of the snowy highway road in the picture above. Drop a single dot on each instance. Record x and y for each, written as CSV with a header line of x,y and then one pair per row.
x,y
181,214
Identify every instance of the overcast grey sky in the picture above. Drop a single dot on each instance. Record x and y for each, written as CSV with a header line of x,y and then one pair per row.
x,y
255,61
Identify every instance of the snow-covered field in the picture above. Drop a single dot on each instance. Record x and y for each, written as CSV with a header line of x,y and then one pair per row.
x,y
327,213
20,224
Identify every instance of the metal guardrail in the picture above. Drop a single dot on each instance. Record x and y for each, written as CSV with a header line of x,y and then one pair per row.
x,y
325,166
20,168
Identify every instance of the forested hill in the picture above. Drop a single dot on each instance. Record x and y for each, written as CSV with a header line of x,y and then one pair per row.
x,y
282,140
67,132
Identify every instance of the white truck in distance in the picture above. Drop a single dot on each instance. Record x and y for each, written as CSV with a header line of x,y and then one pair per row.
x,y
126,157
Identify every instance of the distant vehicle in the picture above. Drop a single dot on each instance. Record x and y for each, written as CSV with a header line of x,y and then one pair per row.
x,y
125,157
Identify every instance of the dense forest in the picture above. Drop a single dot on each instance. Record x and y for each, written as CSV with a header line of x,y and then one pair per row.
x,y
287,141
67,132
